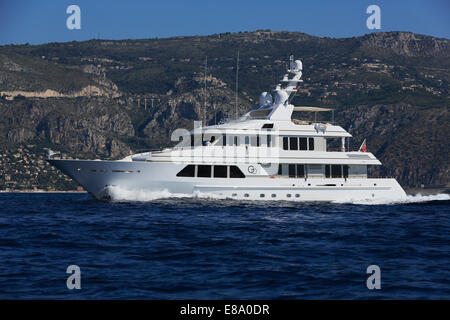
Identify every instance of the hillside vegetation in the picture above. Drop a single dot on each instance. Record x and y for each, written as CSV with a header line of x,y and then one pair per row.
x,y
102,98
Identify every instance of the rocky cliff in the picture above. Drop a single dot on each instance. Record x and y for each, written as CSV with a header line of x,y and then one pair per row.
x,y
106,99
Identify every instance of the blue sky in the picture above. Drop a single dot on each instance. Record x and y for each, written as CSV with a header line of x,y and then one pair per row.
x,y
42,21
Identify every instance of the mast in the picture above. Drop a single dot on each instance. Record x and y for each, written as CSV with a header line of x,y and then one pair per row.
x,y
237,81
204,105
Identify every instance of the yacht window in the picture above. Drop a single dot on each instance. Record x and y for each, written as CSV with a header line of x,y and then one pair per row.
x,y
327,171
303,144
262,195
236,141
293,143
247,140
274,195
269,140
192,140
267,126
230,140
285,143
311,143
188,171
235,172
255,141
285,168
300,171
336,171
292,171
220,171
224,141
280,172
345,169
288,195
204,171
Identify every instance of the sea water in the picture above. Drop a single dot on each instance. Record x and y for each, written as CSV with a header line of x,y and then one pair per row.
x,y
163,246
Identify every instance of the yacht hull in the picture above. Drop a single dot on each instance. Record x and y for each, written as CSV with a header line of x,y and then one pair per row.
x,y
100,177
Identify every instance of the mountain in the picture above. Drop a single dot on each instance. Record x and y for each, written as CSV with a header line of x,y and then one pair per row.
x,y
105,99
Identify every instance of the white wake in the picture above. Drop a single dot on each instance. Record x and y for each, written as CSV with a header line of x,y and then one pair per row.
x,y
410,199
121,194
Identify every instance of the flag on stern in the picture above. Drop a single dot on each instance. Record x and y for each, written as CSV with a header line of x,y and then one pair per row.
x,y
363,147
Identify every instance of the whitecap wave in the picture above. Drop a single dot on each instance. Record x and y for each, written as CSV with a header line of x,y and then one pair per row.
x,y
122,194
410,199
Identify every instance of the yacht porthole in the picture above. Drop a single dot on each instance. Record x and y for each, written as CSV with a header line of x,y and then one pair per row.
x,y
289,195
246,195
234,195
262,195
274,195
297,195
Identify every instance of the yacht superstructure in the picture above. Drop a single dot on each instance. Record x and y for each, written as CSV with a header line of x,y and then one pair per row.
x,y
266,154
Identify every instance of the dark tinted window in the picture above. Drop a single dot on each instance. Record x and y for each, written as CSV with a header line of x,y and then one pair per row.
x,y
292,171
285,143
204,171
303,144
269,140
235,172
192,140
267,126
336,171
293,143
224,140
327,171
345,171
311,143
280,172
220,171
258,142
300,171
188,171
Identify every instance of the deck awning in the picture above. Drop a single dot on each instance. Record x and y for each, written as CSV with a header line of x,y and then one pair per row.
x,y
312,109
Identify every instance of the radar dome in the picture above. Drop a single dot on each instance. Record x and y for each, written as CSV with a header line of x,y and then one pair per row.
x,y
281,97
298,66
265,99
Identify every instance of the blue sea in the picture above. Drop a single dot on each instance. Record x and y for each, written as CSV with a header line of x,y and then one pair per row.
x,y
197,248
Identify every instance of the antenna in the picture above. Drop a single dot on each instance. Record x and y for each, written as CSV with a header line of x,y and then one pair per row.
x,y
237,82
204,106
